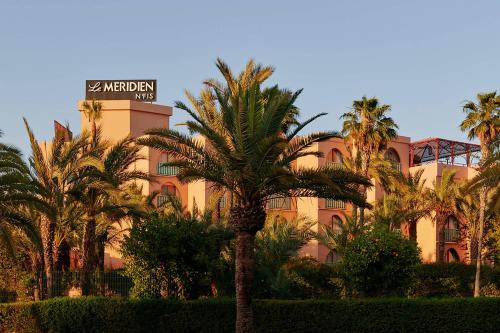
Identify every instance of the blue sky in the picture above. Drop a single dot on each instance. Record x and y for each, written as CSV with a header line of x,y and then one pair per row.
x,y
422,57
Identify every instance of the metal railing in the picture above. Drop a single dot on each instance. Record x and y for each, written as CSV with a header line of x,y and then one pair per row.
x,y
451,235
167,170
111,283
279,203
161,199
222,202
334,165
397,166
335,204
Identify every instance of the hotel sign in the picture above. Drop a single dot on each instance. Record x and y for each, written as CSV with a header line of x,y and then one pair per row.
x,y
137,90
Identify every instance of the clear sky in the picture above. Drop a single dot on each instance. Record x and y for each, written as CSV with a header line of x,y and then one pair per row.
x,y
422,57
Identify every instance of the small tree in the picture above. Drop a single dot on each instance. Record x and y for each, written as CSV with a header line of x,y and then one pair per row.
x,y
173,255
380,263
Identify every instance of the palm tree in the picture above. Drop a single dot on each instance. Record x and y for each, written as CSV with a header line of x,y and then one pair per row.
x,y
101,194
52,178
93,112
336,237
368,130
249,152
442,200
468,207
410,190
275,245
388,212
482,122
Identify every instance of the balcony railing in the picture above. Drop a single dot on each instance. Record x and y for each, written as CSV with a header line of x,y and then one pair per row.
x,y
279,203
396,166
222,202
167,170
334,165
161,199
335,204
451,235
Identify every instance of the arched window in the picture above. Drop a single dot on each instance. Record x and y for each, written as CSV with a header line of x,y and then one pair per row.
x,y
336,223
392,156
452,256
451,232
332,257
166,190
335,159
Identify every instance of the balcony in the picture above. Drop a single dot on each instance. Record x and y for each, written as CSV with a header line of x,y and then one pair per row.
x,y
279,203
397,166
451,235
161,199
334,165
166,170
222,202
334,204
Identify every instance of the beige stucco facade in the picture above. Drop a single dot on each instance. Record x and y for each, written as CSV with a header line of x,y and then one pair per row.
x,y
122,118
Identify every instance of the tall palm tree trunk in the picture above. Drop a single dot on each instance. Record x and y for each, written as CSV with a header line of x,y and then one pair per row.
x,y
440,226
412,230
244,281
483,196
37,265
88,249
482,208
101,246
246,220
48,234
365,162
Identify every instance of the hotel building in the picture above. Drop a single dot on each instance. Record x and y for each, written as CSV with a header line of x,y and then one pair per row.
x,y
128,117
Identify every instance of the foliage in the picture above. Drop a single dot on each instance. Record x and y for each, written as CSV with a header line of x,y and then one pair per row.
x,y
380,262
172,255
275,245
452,279
250,142
109,315
312,279
338,236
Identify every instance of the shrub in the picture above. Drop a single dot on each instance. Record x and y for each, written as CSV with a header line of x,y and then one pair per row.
x,y
109,315
312,279
453,279
380,263
173,255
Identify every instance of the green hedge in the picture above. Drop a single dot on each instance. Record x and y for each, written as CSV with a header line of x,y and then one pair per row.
x,y
217,315
454,279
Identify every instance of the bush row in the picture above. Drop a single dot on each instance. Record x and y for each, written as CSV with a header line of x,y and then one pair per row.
x,y
217,315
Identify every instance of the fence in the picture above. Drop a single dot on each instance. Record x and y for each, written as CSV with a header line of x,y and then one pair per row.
x,y
279,203
111,283
335,204
451,235
167,170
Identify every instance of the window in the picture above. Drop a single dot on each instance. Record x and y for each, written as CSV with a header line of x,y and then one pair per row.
x,y
166,170
392,156
166,190
332,257
452,256
334,159
451,232
336,223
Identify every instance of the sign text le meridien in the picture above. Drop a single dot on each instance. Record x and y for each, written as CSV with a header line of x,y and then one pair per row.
x,y
138,90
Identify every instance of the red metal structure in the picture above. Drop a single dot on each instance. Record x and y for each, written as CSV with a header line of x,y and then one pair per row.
x,y
443,151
